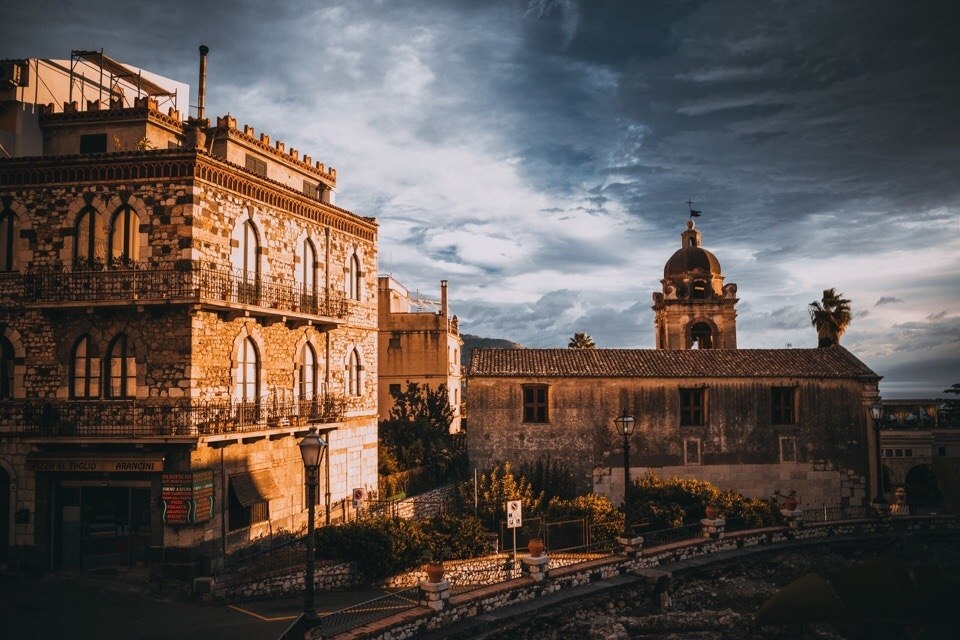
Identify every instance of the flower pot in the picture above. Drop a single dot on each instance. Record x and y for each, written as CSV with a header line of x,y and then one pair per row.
x,y
711,512
790,503
434,572
535,547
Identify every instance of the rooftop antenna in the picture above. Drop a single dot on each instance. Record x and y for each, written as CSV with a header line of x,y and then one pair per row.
x,y
204,50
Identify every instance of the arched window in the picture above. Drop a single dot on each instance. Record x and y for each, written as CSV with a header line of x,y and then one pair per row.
x,y
6,368
245,256
307,276
8,240
248,371
121,379
355,278
307,373
702,335
125,236
89,248
85,370
353,374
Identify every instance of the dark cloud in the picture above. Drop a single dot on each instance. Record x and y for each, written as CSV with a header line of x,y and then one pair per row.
x,y
888,300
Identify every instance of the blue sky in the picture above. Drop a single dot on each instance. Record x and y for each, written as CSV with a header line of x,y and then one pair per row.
x,y
538,154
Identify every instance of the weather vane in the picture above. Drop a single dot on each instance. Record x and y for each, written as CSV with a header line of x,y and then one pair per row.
x,y
693,212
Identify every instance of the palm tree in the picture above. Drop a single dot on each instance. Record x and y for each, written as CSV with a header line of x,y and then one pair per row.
x,y
831,316
581,341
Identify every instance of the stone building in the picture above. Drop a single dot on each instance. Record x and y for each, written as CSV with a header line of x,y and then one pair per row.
x,y
179,303
753,420
419,341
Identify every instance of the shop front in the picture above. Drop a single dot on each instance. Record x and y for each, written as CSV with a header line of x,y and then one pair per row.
x,y
101,509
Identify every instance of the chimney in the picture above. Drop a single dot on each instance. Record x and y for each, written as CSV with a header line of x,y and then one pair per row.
x,y
204,50
443,298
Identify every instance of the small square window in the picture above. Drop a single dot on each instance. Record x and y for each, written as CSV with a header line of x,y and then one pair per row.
x,y
93,143
782,405
310,190
693,411
394,342
788,449
691,451
908,453
941,451
255,165
535,403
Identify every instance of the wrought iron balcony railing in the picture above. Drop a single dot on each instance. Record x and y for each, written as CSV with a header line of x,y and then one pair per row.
x,y
183,282
158,418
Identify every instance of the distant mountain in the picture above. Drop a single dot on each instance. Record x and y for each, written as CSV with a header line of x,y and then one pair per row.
x,y
476,342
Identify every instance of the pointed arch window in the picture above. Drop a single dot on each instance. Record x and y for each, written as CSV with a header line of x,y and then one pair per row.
x,y
124,236
6,368
355,278
307,373
8,240
121,379
308,275
248,371
354,369
84,370
89,249
245,259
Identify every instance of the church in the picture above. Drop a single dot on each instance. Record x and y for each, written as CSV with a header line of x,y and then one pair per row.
x,y
752,420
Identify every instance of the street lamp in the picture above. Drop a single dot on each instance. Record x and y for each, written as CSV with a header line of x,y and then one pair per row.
x,y
311,449
625,424
876,411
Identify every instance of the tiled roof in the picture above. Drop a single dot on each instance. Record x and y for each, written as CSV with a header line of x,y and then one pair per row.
x,y
832,362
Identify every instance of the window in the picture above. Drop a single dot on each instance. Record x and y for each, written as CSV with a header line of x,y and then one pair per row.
x,y
699,289
941,451
93,143
121,369
124,236
888,453
788,449
394,342
242,515
355,278
8,242
782,404
245,259
255,165
535,403
691,451
308,271
6,368
307,374
701,335
248,371
692,407
85,372
310,190
88,248
354,387
908,453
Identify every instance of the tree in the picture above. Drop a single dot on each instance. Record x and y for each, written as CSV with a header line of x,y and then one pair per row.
x,y
831,316
951,406
581,341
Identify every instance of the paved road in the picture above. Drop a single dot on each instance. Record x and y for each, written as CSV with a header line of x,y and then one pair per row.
x,y
56,606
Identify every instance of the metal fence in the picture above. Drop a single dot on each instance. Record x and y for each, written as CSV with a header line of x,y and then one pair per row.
x,y
674,534
367,612
832,514
187,281
157,417
584,553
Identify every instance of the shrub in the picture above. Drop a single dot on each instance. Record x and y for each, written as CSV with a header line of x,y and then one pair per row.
x,y
379,547
495,488
451,537
550,478
674,502
605,520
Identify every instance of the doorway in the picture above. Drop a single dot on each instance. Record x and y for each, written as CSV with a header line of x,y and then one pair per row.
x,y
103,526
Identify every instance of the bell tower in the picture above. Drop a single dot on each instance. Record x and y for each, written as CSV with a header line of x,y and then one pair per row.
x,y
695,310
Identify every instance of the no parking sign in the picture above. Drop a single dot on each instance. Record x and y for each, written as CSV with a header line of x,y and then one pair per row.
x,y
514,514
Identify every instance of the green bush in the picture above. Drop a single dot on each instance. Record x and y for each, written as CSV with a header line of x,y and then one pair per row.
x,y
550,478
451,537
379,547
495,488
674,502
605,520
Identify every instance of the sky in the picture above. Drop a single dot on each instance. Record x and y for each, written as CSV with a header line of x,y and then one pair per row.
x,y
539,154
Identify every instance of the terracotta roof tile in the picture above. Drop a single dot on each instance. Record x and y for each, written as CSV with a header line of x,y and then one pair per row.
x,y
833,362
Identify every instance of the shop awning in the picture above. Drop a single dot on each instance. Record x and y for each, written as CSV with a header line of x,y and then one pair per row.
x,y
255,486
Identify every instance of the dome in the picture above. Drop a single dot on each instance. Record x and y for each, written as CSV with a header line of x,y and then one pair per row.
x,y
688,259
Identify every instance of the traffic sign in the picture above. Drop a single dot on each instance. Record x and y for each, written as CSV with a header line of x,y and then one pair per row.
x,y
358,496
514,514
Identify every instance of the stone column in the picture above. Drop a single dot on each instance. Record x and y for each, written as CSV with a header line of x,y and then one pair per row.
x,y
630,546
713,527
535,567
435,595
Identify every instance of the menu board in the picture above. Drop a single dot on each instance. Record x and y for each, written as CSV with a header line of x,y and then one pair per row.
x,y
187,497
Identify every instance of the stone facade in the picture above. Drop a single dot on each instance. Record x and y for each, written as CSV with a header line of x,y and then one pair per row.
x,y
169,311
417,344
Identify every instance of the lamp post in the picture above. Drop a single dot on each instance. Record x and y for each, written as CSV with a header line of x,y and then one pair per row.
x,y
876,411
625,424
311,448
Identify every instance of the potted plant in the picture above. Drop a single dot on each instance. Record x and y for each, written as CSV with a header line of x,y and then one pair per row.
x,y
535,547
790,500
435,571
711,512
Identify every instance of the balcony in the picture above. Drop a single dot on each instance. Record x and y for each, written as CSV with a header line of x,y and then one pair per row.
x,y
205,286
169,420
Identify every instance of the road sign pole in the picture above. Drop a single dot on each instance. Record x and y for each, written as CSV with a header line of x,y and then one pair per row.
x,y
514,546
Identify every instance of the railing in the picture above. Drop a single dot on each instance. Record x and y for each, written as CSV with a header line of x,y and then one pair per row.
x,y
182,281
138,418
366,612
584,553
674,534
832,514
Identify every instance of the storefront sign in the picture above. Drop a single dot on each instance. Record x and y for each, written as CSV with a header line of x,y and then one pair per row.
x,y
187,497
98,465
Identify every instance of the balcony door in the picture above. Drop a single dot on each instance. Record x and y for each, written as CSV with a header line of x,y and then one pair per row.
x,y
245,261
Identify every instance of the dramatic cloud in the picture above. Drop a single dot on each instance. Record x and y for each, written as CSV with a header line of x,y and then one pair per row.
x,y
539,153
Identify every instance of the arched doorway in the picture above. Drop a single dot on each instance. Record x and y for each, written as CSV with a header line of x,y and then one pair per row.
x,y
5,500
922,486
